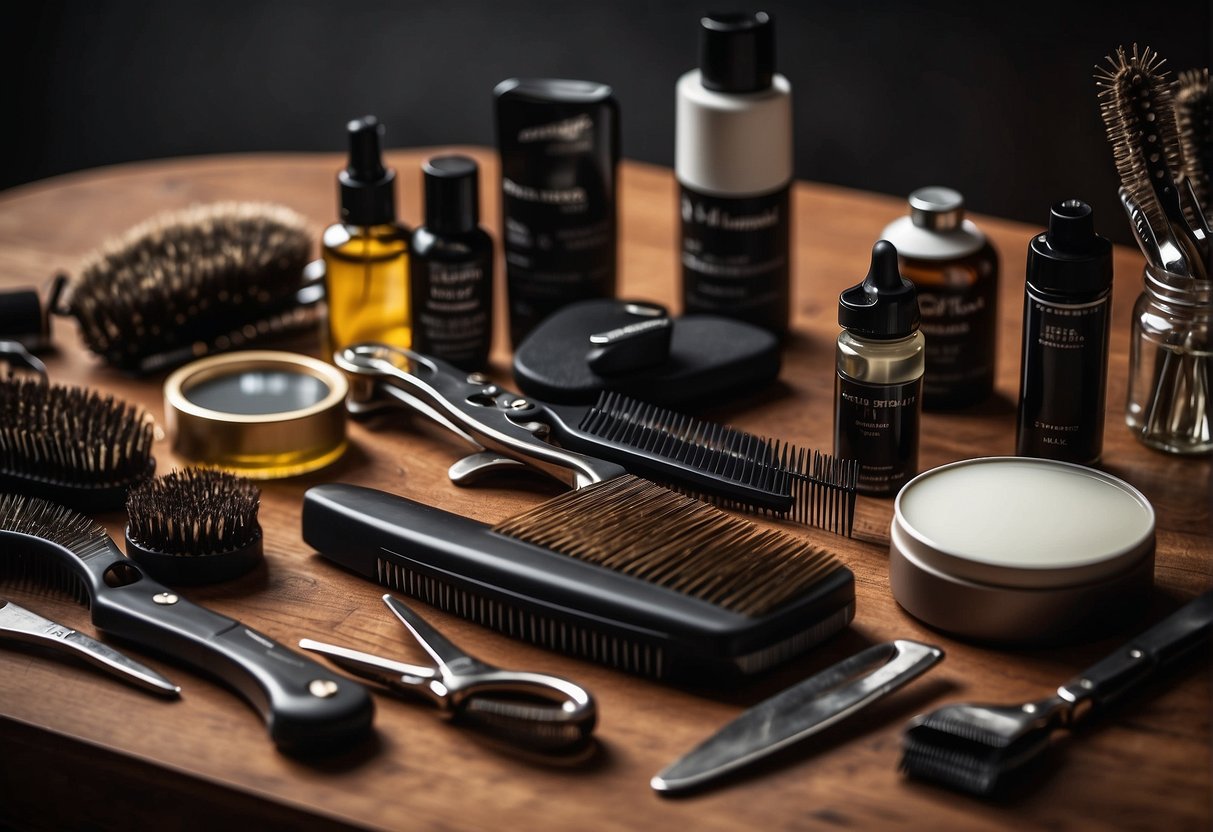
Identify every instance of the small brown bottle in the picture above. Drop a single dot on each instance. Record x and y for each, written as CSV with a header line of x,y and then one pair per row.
x,y
955,270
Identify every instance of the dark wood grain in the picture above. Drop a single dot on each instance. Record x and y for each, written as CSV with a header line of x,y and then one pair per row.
x,y
1148,767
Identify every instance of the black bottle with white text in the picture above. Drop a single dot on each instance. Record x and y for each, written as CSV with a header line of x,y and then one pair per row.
x,y
733,162
451,270
878,378
1067,309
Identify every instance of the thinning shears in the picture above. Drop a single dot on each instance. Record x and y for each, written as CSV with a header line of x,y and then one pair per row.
x,y
545,712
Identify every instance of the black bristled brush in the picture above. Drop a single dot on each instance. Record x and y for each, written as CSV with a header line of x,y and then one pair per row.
x,y
188,283
71,445
621,572
1194,113
305,706
195,526
985,749
578,445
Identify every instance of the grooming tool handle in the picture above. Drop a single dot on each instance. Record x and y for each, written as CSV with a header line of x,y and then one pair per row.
x,y
1124,670
473,405
303,704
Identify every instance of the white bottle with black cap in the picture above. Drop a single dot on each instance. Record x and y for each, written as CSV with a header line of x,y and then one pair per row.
x,y
733,161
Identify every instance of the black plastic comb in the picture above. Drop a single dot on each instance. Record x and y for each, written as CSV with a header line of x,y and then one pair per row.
x,y
581,446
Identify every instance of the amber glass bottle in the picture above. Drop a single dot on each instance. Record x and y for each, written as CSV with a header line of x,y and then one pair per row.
x,y
366,254
955,270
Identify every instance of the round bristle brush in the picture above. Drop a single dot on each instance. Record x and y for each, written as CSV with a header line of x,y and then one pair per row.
x,y
195,526
188,283
71,445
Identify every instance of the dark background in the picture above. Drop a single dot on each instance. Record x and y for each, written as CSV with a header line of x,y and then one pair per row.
x,y
996,100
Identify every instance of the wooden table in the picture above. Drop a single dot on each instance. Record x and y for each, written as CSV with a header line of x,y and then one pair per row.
x,y
80,748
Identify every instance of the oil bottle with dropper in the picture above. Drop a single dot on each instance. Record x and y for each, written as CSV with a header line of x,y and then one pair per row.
x,y
878,379
366,253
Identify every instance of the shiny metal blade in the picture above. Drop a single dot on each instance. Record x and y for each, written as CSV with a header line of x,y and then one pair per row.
x,y
800,711
19,624
370,666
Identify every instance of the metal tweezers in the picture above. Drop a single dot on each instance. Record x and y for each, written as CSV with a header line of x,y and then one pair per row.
x,y
19,624
545,712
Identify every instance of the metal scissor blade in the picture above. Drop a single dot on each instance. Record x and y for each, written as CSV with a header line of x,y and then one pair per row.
x,y
800,711
369,666
22,625
434,642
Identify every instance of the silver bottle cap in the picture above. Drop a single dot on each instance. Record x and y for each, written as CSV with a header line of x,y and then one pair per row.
x,y
937,208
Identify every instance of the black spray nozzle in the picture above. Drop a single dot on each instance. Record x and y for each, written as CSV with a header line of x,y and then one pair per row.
x,y
885,304
366,162
1070,258
1071,227
737,52
368,193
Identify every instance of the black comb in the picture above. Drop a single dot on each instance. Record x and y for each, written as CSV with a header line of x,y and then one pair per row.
x,y
70,445
618,434
623,572
303,704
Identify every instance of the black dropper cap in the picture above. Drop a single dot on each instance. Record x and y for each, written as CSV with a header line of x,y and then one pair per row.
x,y
368,190
452,200
885,304
737,52
1070,258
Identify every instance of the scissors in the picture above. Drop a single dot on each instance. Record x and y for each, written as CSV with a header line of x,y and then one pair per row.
x,y
545,712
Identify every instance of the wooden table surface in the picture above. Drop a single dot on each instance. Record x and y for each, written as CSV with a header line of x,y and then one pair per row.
x,y
82,749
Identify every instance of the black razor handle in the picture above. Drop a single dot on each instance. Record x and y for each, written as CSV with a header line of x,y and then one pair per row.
x,y
304,705
1126,669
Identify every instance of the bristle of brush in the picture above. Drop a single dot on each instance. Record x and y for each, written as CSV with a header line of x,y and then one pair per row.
x,y
32,571
955,769
1194,113
195,511
1139,113
186,278
649,532
822,488
72,436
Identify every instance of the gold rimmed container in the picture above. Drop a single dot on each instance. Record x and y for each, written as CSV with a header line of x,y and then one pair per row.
x,y
263,414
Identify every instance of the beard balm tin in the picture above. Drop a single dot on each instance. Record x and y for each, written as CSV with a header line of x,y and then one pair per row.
x,y
1014,549
262,414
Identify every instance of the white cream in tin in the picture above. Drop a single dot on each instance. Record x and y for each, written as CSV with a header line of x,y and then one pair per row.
x,y
1020,549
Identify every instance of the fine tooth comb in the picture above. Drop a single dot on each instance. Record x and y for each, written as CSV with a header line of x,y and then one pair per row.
x,y
982,749
305,706
725,466
1138,110
621,572
72,445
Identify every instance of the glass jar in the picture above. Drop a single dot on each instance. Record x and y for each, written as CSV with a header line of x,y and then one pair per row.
x,y
1170,362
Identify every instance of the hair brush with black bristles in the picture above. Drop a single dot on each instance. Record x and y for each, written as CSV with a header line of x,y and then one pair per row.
x,y
1194,111
195,526
72,445
304,705
188,283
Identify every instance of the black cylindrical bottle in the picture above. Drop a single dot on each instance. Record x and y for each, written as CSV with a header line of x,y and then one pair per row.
x,y
451,270
1066,310
559,144
878,378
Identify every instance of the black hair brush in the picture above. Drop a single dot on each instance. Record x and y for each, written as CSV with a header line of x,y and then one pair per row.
x,y
1194,113
188,283
195,526
304,705
72,445
986,749
621,572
